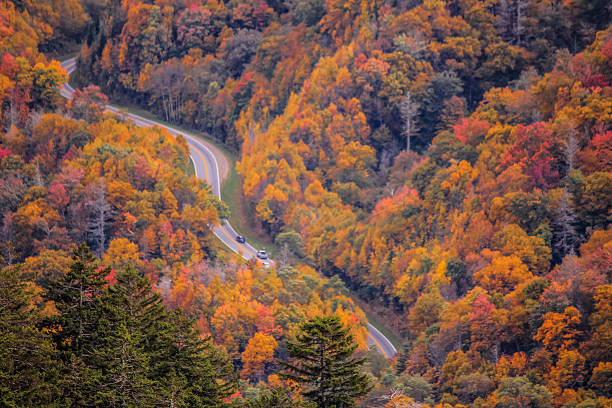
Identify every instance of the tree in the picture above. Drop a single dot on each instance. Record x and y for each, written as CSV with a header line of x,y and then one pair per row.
x,y
408,109
193,28
601,322
564,228
602,378
486,324
471,386
539,152
290,242
520,392
569,372
258,353
122,253
75,328
47,80
323,362
192,370
308,12
276,399
100,213
240,49
595,200
28,375
443,86
560,331
75,296
121,346
88,104
417,388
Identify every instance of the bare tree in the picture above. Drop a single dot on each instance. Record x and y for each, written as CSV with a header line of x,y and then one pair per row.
x,y
167,85
510,19
566,237
413,44
408,110
571,148
99,210
396,399
520,5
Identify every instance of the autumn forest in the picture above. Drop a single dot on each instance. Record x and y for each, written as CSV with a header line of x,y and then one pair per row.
x,y
439,169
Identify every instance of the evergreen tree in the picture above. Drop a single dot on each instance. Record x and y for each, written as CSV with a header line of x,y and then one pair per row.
x,y
131,319
276,399
193,371
75,328
27,372
76,297
323,363
122,347
153,357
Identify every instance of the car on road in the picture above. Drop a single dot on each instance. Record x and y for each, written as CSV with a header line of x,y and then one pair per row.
x,y
261,254
240,239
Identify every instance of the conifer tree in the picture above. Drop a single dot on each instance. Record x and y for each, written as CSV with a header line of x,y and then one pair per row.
x,y
193,370
27,372
76,297
131,315
75,328
155,357
324,364
121,346
276,399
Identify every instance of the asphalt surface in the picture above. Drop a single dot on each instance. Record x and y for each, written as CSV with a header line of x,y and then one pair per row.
x,y
206,168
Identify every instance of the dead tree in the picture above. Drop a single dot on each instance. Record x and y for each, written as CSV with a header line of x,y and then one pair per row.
x,y
408,110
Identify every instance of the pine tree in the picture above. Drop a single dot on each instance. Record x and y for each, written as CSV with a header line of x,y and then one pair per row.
x,y
276,399
76,297
120,345
402,359
155,357
193,371
323,362
27,372
131,315
75,328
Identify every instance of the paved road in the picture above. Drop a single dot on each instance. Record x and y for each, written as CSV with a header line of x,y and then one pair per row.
x,y
206,167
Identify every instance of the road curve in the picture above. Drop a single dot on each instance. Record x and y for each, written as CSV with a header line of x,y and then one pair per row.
x,y
205,164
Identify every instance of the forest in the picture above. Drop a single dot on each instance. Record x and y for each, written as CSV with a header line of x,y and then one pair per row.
x,y
445,164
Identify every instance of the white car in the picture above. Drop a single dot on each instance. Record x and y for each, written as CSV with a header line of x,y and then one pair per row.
x,y
262,255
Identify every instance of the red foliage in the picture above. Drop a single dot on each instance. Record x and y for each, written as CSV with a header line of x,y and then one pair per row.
x,y
607,51
471,130
4,153
597,155
483,325
537,151
58,197
111,278
7,65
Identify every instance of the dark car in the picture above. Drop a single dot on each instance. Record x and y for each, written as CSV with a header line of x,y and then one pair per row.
x,y
240,239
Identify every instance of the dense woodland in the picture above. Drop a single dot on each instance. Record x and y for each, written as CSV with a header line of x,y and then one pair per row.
x,y
448,161
202,329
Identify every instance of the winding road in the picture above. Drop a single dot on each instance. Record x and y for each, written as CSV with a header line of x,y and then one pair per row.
x,y
206,167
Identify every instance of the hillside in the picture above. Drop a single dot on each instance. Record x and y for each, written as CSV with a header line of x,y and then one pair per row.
x,y
450,162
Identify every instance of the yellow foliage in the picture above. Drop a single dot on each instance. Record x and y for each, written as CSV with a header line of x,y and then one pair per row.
x,y
559,330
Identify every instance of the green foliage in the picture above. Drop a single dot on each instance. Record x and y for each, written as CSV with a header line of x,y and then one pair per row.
x,y
120,346
323,362
292,241
442,87
29,373
520,391
417,388
276,399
